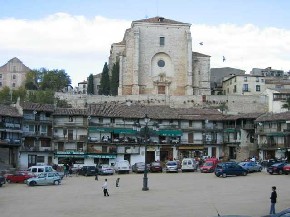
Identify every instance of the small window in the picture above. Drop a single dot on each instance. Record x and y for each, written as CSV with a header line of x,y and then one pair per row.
x,y
0,76
257,79
245,78
162,41
70,119
14,76
40,159
258,88
161,63
0,84
13,85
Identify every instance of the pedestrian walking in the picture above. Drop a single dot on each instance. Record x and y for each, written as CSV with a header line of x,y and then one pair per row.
x,y
105,188
273,200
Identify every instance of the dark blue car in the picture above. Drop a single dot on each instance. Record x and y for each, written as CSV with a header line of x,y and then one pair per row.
x,y
276,168
229,169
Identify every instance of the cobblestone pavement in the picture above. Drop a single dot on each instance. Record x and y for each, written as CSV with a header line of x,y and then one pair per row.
x,y
181,195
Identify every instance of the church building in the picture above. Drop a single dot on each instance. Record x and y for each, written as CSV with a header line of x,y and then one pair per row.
x,y
155,57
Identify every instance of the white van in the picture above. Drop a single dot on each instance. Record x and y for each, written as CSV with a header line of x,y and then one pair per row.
x,y
40,169
122,166
188,164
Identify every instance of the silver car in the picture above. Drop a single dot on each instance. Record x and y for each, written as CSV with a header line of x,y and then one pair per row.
x,y
251,166
50,178
105,169
171,166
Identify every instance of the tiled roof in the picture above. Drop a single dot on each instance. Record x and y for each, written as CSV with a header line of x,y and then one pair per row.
x,y
6,110
242,116
284,116
70,111
37,107
153,111
132,111
196,54
159,20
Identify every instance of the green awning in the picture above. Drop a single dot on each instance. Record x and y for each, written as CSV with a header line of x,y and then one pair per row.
x,y
230,130
100,129
124,131
278,134
107,156
170,132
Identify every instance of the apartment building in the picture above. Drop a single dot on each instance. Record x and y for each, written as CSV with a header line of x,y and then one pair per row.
x,y
244,85
37,134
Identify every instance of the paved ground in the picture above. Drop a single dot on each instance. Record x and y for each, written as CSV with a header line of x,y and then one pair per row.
x,y
180,195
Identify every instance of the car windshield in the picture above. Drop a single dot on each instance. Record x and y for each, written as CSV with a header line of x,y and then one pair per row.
x,y
171,163
243,164
208,163
276,165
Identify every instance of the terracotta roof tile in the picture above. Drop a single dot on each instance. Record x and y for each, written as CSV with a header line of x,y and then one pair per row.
x,y
284,116
70,111
6,110
159,20
37,107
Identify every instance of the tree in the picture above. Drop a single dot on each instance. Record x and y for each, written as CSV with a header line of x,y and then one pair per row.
x,y
287,104
105,81
90,89
5,96
114,84
31,82
41,96
55,80
223,107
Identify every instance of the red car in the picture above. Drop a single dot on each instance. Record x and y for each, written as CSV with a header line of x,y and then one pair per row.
x,y
155,167
286,169
18,177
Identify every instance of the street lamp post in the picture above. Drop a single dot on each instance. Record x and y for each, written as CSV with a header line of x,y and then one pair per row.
x,y
137,127
145,178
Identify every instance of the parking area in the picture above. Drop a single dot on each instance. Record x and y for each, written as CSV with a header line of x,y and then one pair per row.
x,y
175,194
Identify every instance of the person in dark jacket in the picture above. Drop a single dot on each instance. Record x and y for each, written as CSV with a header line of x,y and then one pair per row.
x,y
273,200
96,173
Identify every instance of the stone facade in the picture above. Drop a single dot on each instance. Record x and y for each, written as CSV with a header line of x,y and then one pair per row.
x,y
13,74
156,58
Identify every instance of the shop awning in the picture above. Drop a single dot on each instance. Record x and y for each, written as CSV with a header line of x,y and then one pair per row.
x,y
107,156
230,130
124,131
100,129
170,132
278,134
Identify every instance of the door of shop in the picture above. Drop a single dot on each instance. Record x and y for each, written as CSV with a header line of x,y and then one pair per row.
x,y
31,160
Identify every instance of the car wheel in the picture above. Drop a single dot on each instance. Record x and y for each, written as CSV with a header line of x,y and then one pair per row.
x,y
224,175
244,173
56,182
1,184
271,173
8,180
280,172
286,173
33,183
260,169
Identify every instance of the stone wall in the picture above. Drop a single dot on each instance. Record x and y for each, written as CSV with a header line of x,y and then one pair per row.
x,y
236,104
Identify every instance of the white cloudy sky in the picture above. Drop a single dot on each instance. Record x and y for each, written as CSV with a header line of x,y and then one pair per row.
x,y
80,44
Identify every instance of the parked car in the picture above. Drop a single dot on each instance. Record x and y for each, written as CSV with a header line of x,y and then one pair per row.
x,y
276,168
283,213
156,167
229,169
2,180
44,179
171,166
209,165
122,166
138,167
36,170
286,169
19,177
105,169
251,166
189,164
87,171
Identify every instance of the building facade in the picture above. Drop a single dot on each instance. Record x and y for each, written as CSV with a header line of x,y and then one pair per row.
x,y
155,58
244,85
13,74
